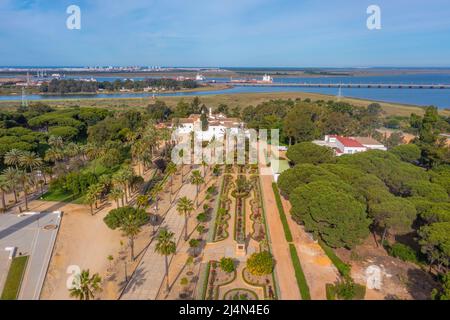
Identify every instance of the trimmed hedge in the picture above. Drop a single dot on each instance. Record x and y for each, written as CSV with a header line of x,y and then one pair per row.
x,y
287,231
205,284
299,275
343,268
331,292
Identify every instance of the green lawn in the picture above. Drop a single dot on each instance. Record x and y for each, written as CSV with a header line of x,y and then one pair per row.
x,y
59,195
14,278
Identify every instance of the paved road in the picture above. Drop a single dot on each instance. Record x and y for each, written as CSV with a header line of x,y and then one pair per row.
x,y
31,237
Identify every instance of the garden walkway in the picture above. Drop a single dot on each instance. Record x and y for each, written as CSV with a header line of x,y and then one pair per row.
x,y
280,249
149,275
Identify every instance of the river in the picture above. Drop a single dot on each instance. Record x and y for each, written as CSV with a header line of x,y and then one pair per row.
x,y
420,97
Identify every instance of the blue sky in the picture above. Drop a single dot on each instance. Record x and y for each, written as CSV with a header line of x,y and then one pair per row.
x,y
266,33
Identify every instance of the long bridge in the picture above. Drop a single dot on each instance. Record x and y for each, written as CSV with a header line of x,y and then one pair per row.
x,y
342,85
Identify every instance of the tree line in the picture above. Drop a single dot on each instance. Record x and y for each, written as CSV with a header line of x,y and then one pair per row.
x,y
79,86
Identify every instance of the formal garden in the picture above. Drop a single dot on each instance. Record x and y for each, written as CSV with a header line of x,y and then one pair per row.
x,y
223,213
248,274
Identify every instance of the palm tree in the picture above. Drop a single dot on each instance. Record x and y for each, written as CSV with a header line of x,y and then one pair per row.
x,y
131,226
121,179
12,157
185,206
142,201
92,195
5,187
31,161
11,176
137,150
171,169
25,181
155,192
129,176
115,195
56,142
85,286
204,165
197,180
54,155
166,246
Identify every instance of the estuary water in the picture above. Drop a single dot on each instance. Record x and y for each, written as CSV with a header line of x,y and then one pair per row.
x,y
419,97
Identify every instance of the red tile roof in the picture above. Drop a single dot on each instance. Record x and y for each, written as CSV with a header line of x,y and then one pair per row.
x,y
348,142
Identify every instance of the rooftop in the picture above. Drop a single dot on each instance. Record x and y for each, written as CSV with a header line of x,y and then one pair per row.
x,y
348,142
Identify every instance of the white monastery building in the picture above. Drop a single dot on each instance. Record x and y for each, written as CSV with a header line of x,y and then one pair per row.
x,y
217,126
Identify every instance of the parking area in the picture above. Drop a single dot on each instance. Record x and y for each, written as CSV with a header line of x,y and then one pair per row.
x,y
32,234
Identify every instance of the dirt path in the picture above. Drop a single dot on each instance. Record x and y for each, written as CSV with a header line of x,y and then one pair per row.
x,y
280,248
318,268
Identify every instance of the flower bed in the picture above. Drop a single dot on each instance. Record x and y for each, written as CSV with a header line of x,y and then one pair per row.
x,y
240,294
254,169
223,212
259,223
217,278
239,225
266,282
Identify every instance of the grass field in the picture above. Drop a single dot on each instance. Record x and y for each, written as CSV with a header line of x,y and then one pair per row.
x,y
14,278
232,100
59,195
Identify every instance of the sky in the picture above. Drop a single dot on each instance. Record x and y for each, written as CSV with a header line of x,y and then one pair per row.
x,y
225,33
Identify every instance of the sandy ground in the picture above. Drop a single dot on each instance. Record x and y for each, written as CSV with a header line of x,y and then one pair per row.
x,y
318,268
83,241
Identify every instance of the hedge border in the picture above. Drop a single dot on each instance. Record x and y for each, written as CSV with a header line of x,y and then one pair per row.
x,y
284,221
206,280
343,268
299,274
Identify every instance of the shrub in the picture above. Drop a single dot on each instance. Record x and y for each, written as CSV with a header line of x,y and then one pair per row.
x,y
330,291
184,282
343,268
403,252
227,265
347,289
201,229
194,243
261,263
211,190
202,217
